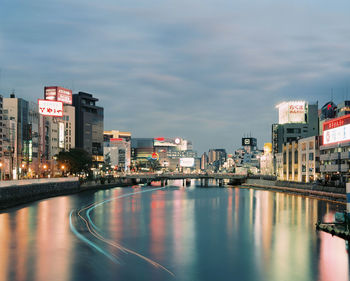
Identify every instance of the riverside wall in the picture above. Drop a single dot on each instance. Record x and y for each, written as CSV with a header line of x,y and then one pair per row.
x,y
13,193
320,191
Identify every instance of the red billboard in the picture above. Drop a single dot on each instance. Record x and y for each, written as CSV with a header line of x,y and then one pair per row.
x,y
55,93
336,122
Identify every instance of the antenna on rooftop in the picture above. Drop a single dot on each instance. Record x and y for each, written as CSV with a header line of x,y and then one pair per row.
x,y
332,94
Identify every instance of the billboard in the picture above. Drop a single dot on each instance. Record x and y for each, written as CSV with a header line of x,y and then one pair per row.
x,y
292,112
249,141
186,162
336,130
50,108
61,135
59,94
166,141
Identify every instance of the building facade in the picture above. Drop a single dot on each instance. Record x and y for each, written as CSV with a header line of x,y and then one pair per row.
x,y
309,159
117,150
15,117
89,125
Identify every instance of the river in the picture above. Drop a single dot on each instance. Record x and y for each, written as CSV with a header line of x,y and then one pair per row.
x,y
171,233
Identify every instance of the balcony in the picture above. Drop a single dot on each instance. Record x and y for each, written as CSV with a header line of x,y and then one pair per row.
x,y
334,168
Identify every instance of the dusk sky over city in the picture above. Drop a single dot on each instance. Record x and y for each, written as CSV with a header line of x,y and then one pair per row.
x,y
208,71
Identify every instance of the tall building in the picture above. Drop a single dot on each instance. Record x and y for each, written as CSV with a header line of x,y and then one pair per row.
x,y
117,149
88,125
216,158
32,143
204,161
297,119
15,115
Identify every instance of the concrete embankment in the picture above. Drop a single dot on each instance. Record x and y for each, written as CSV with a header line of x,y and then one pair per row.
x,y
13,193
312,190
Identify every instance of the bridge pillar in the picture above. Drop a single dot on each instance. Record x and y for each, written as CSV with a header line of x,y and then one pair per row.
x,y
206,182
162,182
183,182
220,182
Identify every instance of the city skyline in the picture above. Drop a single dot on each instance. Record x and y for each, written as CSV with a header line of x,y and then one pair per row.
x,y
180,68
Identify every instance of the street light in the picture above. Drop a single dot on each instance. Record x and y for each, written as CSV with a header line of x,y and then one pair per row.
x,y
44,167
62,168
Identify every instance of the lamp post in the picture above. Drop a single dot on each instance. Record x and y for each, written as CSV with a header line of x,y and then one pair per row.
x,y
63,168
44,167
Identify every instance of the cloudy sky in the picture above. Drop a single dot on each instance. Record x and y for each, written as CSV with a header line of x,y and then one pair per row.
x,y
210,70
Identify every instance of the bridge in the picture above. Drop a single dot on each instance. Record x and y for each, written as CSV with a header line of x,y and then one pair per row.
x,y
203,177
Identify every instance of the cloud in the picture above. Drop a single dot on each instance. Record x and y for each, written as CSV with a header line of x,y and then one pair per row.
x,y
207,70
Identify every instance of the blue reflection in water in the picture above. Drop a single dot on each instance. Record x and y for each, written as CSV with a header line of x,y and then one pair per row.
x,y
196,233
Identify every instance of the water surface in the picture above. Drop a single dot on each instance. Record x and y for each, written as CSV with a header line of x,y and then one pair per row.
x,y
172,233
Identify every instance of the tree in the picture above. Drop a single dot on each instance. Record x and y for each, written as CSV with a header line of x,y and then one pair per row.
x,y
75,160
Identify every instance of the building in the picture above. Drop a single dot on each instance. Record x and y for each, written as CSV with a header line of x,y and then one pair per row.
x,y
117,149
216,158
290,159
142,150
32,168
335,150
15,137
297,119
59,134
309,159
88,125
266,160
204,161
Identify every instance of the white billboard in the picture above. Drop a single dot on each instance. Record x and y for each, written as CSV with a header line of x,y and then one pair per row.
x,y
50,108
338,134
186,162
292,112
61,135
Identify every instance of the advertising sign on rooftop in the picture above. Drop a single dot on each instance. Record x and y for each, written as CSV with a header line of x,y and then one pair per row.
x,y
292,112
59,94
186,162
50,108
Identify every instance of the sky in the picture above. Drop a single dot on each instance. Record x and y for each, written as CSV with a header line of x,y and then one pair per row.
x,y
209,71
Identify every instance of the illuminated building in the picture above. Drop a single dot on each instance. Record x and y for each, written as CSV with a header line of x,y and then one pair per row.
x,y
309,159
335,151
117,149
266,160
296,119
88,125
59,132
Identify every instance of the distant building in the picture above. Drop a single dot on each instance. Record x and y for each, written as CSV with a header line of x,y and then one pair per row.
x,y
204,161
117,149
266,160
216,158
88,125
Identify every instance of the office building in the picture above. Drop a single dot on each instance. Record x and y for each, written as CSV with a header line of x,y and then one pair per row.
x,y
117,149
88,125
297,119
15,117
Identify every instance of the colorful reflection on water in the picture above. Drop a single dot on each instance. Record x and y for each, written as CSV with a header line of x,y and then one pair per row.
x,y
195,233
